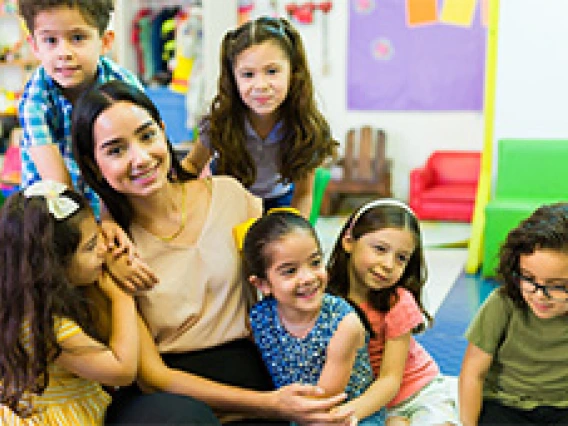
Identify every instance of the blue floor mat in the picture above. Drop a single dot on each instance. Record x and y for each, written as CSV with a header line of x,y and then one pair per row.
x,y
445,341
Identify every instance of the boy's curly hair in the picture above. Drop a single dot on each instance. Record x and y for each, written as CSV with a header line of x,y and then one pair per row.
x,y
95,12
546,228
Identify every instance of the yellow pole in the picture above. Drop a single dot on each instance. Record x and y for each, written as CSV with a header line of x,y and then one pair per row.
x,y
475,247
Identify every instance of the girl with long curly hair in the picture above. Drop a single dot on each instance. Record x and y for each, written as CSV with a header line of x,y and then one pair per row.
x,y
51,359
264,127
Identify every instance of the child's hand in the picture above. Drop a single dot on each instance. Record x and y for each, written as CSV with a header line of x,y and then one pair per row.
x,y
131,273
307,405
109,287
116,239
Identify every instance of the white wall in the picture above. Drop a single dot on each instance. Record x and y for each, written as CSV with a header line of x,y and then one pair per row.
x,y
531,99
411,136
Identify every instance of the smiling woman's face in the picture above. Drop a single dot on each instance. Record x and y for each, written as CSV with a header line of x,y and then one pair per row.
x,y
130,149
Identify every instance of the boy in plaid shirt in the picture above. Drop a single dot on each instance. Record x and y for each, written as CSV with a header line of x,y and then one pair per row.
x,y
69,38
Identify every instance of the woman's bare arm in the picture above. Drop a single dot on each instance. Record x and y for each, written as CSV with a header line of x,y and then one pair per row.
x,y
300,403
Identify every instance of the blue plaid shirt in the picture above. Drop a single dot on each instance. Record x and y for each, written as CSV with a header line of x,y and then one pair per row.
x,y
45,116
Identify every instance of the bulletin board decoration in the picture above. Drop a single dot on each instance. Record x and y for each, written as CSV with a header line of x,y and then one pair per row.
x,y
416,55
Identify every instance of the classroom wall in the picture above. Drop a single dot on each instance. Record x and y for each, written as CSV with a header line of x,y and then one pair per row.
x,y
531,97
411,136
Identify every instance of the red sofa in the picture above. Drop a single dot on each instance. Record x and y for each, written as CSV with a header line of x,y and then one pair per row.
x,y
445,188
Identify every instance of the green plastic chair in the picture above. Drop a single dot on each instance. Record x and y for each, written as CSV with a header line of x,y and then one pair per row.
x,y
530,173
320,184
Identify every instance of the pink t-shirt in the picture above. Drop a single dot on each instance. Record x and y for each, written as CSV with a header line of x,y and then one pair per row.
x,y
420,368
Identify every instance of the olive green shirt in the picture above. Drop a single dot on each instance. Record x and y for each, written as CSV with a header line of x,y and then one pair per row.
x,y
530,355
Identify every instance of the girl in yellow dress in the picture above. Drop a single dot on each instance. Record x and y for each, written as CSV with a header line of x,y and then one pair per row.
x,y
52,364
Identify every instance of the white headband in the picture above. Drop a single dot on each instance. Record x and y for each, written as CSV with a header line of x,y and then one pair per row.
x,y
389,202
60,207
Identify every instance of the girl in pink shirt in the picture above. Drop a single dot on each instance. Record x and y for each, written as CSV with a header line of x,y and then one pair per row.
x,y
378,264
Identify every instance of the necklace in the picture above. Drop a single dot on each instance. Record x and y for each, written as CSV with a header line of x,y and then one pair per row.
x,y
183,220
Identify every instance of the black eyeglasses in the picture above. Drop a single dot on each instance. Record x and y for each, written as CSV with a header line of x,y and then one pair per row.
x,y
557,292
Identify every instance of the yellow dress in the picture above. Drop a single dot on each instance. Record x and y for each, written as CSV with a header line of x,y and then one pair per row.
x,y
67,400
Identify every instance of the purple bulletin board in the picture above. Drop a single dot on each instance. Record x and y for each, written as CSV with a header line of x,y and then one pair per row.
x,y
430,58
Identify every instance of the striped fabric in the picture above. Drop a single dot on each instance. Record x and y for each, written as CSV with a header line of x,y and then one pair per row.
x,y
68,399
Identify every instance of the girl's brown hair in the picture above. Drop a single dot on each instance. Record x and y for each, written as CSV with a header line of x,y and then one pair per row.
x,y
35,251
372,217
307,135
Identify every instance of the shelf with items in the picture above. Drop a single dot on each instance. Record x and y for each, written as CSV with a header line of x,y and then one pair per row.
x,y
27,64
194,72
16,59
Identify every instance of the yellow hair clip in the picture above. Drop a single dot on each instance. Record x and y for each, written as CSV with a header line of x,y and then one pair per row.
x,y
284,209
240,230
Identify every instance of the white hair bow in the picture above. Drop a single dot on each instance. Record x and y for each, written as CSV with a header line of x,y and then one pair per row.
x,y
60,207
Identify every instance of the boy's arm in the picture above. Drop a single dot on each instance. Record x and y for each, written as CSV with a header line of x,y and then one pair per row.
x,y
49,163
116,238
36,112
122,260
197,158
387,385
476,364
131,273
340,355
303,194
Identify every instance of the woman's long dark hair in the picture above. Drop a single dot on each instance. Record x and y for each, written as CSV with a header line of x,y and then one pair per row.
x,y
35,251
307,136
87,109
546,228
385,215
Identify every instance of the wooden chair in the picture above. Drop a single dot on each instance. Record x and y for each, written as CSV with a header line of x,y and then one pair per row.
x,y
366,170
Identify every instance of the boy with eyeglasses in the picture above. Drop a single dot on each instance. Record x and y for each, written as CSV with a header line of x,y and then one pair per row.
x,y
515,369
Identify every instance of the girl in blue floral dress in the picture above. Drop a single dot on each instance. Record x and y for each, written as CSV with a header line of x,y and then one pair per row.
x,y
304,334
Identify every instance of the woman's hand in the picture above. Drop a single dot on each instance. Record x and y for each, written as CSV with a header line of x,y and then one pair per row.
x,y
305,404
131,273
